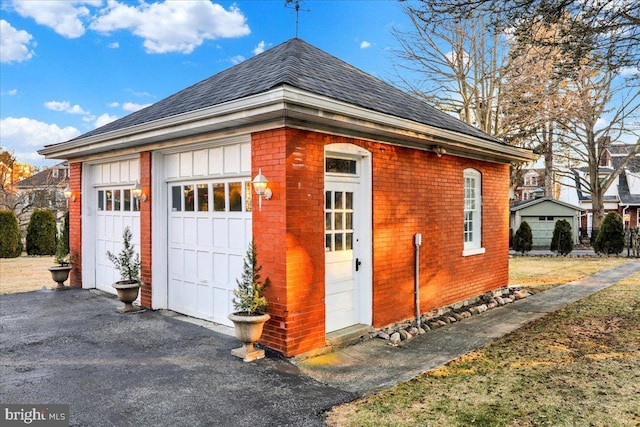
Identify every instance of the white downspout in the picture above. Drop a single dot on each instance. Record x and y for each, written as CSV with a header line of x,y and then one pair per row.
x,y
417,241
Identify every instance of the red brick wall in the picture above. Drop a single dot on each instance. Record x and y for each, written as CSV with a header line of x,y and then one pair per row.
x,y
145,229
75,224
413,192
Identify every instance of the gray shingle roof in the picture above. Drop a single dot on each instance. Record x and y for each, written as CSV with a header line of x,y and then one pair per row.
x,y
303,66
53,176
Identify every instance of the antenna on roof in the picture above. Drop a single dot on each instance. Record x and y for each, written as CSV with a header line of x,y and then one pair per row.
x,y
296,5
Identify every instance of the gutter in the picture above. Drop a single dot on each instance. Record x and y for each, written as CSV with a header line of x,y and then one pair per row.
x,y
297,105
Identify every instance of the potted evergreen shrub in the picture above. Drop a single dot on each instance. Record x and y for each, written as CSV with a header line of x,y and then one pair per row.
x,y
250,307
127,262
60,272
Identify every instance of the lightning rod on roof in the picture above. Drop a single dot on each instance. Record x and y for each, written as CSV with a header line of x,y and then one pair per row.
x,y
295,4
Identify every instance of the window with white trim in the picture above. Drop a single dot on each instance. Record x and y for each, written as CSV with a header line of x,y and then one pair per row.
x,y
472,212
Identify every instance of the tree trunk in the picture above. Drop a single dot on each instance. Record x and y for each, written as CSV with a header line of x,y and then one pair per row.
x,y
548,163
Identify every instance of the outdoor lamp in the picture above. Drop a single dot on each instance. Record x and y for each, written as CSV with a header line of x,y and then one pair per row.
x,y
138,193
68,194
439,151
260,185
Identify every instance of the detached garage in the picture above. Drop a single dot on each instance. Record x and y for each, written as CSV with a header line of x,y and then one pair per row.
x,y
355,168
541,215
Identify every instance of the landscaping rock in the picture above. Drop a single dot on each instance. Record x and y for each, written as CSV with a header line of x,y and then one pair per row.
x,y
474,310
500,301
404,335
482,308
458,316
395,338
413,331
452,319
421,330
492,305
383,335
466,314
508,300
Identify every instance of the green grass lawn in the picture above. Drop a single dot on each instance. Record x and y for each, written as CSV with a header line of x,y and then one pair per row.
x,y
577,367
541,273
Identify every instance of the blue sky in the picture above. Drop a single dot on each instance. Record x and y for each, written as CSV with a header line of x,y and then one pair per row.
x,y
70,66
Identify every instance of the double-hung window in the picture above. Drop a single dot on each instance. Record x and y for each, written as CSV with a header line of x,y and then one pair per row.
x,y
472,213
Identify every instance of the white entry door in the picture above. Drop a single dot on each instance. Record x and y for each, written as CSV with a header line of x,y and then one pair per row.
x,y
347,245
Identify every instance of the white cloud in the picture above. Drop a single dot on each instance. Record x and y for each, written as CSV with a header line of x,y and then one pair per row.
x,y
113,45
20,132
259,49
64,17
173,26
13,92
365,44
114,105
65,106
238,59
104,119
601,123
131,107
14,44
629,71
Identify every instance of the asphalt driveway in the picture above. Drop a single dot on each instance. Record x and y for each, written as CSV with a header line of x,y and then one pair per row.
x,y
146,369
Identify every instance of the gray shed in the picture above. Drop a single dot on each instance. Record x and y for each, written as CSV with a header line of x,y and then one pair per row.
x,y
541,215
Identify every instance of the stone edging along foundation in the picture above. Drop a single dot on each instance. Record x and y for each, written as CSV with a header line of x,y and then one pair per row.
x,y
403,331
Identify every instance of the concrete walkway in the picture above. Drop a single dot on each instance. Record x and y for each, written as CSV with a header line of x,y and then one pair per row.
x,y
374,365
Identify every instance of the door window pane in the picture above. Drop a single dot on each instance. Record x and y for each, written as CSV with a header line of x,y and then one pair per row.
x,y
203,197
101,200
109,197
327,200
338,200
349,201
248,196
176,198
338,241
333,165
126,199
349,241
218,197
116,200
189,196
235,196
338,221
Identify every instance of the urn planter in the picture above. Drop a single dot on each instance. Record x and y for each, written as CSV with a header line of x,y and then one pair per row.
x,y
248,330
127,293
59,274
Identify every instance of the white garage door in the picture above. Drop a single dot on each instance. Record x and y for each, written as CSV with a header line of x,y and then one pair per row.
x,y
209,228
209,231
542,228
116,209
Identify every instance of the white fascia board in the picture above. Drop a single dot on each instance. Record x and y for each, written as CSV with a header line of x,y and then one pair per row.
x,y
289,102
216,117
403,129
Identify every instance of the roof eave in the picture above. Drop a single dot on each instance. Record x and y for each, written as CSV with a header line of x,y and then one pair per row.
x,y
300,107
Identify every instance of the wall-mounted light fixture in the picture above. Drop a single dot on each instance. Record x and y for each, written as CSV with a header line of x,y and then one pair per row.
x,y
439,151
68,194
138,193
260,185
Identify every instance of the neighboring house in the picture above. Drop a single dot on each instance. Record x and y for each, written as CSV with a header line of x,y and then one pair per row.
x,y
623,196
356,168
532,180
542,214
43,190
